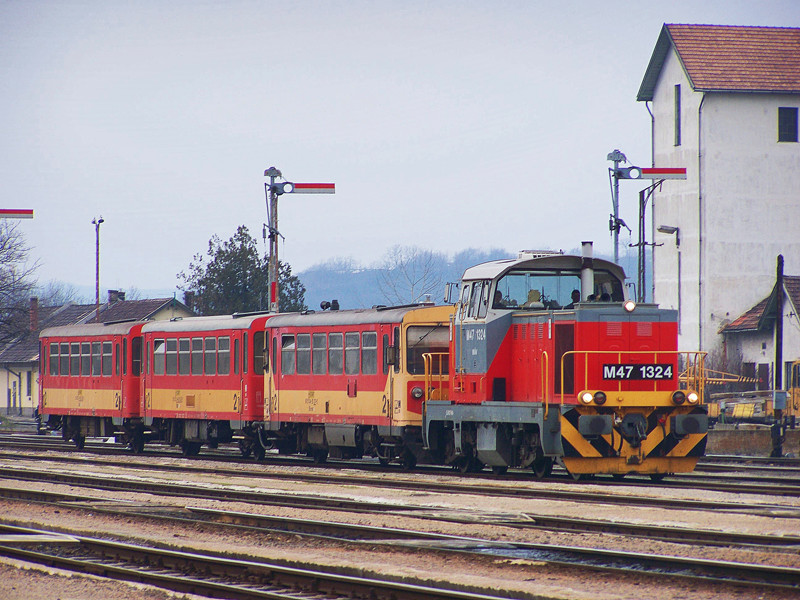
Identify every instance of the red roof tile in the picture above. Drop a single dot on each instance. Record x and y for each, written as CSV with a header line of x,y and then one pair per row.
x,y
728,58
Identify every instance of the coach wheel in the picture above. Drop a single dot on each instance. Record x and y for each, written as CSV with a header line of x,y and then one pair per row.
x,y
137,443
657,477
409,461
542,465
245,448
618,476
499,469
320,455
259,452
190,448
80,441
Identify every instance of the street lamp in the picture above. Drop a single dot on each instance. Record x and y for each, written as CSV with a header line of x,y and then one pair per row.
x,y
97,222
670,230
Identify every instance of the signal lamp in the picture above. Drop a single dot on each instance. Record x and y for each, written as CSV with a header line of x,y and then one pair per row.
x,y
586,397
629,305
628,173
282,188
692,397
678,397
599,397
416,392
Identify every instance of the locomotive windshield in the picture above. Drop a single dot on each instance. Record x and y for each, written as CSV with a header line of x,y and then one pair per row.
x,y
552,288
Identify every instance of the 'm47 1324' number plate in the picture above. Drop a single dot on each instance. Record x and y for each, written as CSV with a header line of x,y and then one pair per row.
x,y
638,372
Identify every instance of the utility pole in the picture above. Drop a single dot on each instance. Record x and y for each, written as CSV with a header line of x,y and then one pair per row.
x,y
273,190
97,222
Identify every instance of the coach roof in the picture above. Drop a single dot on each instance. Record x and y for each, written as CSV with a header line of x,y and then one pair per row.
x,y
345,317
212,323
90,329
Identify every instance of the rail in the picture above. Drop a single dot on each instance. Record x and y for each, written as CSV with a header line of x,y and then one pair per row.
x,y
692,377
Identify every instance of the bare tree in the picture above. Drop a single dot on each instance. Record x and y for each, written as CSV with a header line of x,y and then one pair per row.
x,y
57,293
409,274
16,281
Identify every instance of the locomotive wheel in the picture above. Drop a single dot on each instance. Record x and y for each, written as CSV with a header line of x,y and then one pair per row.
x,y
657,477
319,455
384,462
499,469
542,465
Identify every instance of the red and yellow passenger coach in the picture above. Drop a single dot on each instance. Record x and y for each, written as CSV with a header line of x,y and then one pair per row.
x,y
203,381
89,380
351,383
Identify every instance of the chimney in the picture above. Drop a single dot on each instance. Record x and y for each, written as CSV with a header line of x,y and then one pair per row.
x,y
115,296
34,313
188,299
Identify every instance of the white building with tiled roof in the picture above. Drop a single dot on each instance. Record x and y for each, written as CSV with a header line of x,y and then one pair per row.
x,y
724,102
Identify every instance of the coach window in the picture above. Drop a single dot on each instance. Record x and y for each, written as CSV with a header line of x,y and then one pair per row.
x,y
97,358
335,353
184,356
159,354
136,356
369,353
351,351
75,359
197,356
287,354
210,363
303,353
124,356
172,356
236,357
244,353
107,352
53,359
319,358
116,359
259,352
224,355
86,359
63,363
385,362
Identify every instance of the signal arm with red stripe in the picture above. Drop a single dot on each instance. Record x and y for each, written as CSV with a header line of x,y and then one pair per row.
x,y
16,213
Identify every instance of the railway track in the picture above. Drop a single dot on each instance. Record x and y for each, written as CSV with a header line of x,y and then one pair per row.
x,y
759,576
783,480
497,489
206,574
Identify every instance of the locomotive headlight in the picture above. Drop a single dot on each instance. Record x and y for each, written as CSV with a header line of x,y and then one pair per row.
x,y
416,392
599,397
678,397
692,397
629,305
586,397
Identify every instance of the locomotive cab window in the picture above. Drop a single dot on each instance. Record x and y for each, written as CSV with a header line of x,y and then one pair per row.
x,y
551,288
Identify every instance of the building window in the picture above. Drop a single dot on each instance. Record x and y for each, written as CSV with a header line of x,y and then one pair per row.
x,y
678,115
787,124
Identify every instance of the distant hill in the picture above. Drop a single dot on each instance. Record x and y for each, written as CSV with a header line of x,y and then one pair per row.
x,y
356,286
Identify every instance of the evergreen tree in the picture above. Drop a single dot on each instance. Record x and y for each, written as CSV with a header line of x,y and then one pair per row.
x,y
233,277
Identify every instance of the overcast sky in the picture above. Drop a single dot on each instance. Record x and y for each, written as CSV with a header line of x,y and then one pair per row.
x,y
443,124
